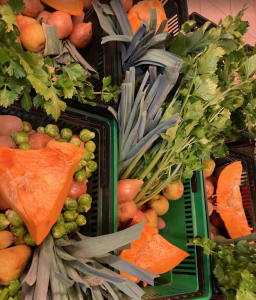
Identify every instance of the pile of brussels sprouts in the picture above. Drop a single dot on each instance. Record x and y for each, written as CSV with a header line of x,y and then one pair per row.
x,y
71,217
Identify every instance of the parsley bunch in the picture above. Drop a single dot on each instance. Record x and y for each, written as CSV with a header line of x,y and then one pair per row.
x,y
23,73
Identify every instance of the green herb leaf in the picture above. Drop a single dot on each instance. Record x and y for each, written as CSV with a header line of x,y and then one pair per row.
x,y
16,69
7,97
106,82
14,287
7,16
17,6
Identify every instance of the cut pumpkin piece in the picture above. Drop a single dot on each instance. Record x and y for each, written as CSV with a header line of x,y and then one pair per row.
x,y
35,183
153,253
229,201
141,10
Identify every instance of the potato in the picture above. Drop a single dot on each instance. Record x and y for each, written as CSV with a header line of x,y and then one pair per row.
x,y
126,211
87,4
174,190
210,208
6,239
7,141
161,223
209,188
9,125
13,262
39,140
160,204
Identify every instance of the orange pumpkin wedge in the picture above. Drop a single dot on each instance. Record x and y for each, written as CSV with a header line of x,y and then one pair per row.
x,y
153,253
229,201
35,183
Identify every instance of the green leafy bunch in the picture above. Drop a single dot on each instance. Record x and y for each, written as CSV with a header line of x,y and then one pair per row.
x,y
23,73
11,292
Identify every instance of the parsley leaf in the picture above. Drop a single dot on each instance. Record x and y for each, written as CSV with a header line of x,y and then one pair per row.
x,y
7,16
17,6
14,287
7,97
16,69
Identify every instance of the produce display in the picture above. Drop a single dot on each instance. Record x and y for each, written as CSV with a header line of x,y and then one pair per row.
x,y
179,99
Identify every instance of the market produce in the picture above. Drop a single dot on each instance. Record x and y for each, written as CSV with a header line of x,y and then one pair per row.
x,y
43,14
29,240
10,125
211,166
160,204
141,11
13,261
216,220
209,188
174,190
210,208
13,218
18,230
51,130
32,8
151,216
6,239
75,140
81,220
19,240
127,189
39,140
160,224
27,127
127,4
139,215
20,137
4,223
77,19
81,35
70,204
3,205
82,175
86,135
62,21
40,129
213,180
22,20
229,201
87,4
85,201
66,133
58,230
7,141
25,146
52,182
77,188
126,211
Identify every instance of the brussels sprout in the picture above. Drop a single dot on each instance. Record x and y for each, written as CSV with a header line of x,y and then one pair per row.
x,y
18,230
91,166
40,129
52,130
58,231
87,156
20,137
29,240
25,146
80,209
26,126
75,141
88,175
90,146
60,219
14,218
80,165
69,216
4,223
85,201
86,135
80,176
92,155
76,214
70,204
66,134
80,220
62,141
70,227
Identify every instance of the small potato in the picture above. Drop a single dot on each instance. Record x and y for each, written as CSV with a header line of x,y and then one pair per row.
x,y
10,125
87,4
210,208
161,224
209,188
160,204
213,180
39,140
7,141
174,190
6,239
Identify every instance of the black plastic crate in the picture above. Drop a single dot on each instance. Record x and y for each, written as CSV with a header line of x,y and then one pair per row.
x,y
102,186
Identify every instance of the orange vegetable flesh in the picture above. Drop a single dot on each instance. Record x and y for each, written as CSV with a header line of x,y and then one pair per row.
x,y
153,253
229,201
35,183
142,11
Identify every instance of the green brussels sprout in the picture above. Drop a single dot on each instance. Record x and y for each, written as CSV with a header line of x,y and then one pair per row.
x,y
4,223
76,214
90,146
14,218
70,227
29,240
92,155
60,219
26,126
75,141
88,175
87,156
80,208
66,134
69,216
70,204
91,166
62,141
40,129
18,230
51,130
20,137
25,146
86,135
81,220
80,165
85,201
80,176
58,231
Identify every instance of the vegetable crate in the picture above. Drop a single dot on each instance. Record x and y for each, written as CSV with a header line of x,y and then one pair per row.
x,y
185,219
102,186
248,192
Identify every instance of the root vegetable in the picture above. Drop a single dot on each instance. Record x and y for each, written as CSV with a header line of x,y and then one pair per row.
x,y
152,217
43,14
127,189
7,141
78,19
13,262
32,8
216,220
63,22
160,204
77,189
10,125
87,4
31,132
126,211
213,180
127,4
210,208
39,140
161,223
174,190
138,216
214,230
209,188
211,163
6,239
81,35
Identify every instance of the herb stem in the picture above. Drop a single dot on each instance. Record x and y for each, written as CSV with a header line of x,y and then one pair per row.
x,y
188,94
4,294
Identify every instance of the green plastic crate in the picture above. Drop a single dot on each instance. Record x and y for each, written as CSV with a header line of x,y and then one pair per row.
x,y
185,219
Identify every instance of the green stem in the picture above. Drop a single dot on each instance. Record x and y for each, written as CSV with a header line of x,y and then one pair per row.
x,y
188,94
137,172
4,293
216,115
154,161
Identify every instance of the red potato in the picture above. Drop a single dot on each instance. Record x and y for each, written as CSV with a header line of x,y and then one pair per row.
x,y
78,19
127,4
7,141
161,223
81,35
43,14
63,22
210,208
77,189
126,211
216,220
209,188
31,132
9,125
127,189
39,140
87,4
3,205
